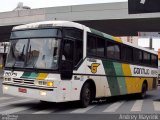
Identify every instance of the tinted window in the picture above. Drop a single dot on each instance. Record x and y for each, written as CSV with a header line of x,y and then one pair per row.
x,y
113,50
154,60
78,52
146,58
91,45
68,50
136,55
127,53
140,54
36,33
74,33
100,46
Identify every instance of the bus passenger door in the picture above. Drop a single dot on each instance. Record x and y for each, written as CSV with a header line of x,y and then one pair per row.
x,y
66,69
78,68
66,65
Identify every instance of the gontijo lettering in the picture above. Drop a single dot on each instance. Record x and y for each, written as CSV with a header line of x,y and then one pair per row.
x,y
141,71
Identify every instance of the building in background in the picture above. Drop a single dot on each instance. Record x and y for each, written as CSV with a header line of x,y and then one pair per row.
x,y
159,66
159,54
4,47
131,39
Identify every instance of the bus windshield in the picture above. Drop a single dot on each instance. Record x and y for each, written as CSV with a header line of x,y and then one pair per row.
x,y
39,53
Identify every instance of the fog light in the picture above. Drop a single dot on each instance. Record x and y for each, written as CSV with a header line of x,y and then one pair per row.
x,y
50,84
5,87
43,93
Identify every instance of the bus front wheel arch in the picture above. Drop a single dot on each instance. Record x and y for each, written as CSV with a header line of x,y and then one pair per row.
x,y
88,92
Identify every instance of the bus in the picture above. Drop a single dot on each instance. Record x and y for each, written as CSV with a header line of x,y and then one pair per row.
x,y
60,61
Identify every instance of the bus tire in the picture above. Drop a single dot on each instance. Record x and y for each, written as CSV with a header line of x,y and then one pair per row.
x,y
144,90
85,97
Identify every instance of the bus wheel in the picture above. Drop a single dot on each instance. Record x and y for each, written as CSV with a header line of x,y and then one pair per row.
x,y
144,90
85,95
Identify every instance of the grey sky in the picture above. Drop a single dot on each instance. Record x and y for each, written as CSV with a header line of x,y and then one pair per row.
x,y
9,5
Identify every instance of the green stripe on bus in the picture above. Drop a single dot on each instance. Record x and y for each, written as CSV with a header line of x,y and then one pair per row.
x,y
108,36
33,76
121,80
96,32
112,81
26,75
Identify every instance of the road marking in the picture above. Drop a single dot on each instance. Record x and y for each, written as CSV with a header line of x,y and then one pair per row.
x,y
83,110
15,102
113,107
137,106
15,110
46,111
5,98
156,106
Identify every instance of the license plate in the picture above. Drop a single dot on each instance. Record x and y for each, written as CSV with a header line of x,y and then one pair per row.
x,y
22,90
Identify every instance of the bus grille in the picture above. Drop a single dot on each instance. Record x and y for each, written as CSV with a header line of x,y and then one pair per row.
x,y
30,82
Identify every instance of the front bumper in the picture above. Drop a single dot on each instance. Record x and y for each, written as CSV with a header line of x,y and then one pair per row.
x,y
40,93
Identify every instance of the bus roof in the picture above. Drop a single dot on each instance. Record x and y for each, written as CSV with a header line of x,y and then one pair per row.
x,y
79,26
49,24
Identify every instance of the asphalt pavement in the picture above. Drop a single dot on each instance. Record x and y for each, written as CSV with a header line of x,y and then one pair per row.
x,y
105,109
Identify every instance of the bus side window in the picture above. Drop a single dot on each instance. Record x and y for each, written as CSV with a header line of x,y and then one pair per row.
x,y
68,50
113,50
91,45
127,54
146,58
100,47
78,51
154,60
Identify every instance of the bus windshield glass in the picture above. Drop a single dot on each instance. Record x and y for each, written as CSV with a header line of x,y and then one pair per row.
x,y
39,53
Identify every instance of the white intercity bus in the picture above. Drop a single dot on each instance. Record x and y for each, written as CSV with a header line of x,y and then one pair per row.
x,y
61,61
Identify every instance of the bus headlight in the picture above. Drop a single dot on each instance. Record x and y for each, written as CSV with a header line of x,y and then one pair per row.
x,y
44,83
50,84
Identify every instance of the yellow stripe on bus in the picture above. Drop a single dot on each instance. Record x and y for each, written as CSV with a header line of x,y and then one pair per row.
x,y
41,76
117,39
126,70
134,84
131,82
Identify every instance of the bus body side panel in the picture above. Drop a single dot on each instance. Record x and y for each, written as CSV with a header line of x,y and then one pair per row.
x,y
91,69
123,79
111,78
96,72
145,73
137,75
132,83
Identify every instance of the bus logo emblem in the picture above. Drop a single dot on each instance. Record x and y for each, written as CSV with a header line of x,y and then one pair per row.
x,y
94,67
